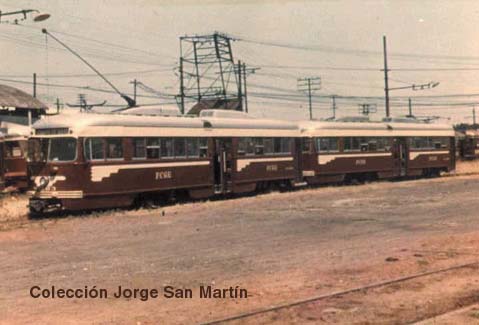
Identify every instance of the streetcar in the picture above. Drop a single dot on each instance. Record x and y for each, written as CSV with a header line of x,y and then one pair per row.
x,y
91,161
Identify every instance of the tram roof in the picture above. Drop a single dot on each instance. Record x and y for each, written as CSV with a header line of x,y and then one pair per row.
x,y
107,124
331,128
91,124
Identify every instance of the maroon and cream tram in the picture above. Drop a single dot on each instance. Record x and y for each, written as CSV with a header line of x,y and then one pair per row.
x,y
468,144
335,151
109,160
85,161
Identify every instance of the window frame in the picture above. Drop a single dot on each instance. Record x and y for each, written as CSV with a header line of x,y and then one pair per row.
x,y
133,144
445,143
152,147
106,149
329,150
75,158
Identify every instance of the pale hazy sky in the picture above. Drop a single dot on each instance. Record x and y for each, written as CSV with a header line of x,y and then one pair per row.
x,y
142,41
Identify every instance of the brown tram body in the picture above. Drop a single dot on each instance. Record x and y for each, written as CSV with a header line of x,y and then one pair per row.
x,y
15,162
467,144
102,161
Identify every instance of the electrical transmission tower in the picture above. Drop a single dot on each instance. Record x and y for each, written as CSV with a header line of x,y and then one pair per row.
x,y
207,73
309,86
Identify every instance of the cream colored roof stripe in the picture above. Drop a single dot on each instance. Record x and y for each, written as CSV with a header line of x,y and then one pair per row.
x,y
98,173
243,163
377,133
324,159
414,154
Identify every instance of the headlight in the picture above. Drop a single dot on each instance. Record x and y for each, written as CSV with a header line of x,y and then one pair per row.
x,y
43,183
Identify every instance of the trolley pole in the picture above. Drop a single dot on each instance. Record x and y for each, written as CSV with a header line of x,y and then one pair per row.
x,y
386,81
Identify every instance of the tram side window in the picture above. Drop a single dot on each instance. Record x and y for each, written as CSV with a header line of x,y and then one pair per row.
x,y
167,148
440,143
268,146
242,146
13,150
285,145
352,144
153,148
366,144
428,142
378,144
114,148
62,149
203,144
139,148
180,150
94,149
192,147
327,144
278,145
258,146
419,143
263,146
250,145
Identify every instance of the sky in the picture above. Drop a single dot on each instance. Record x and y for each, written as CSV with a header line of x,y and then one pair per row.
x,y
338,41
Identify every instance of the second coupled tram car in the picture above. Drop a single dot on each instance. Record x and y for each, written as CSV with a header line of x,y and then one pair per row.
x,y
111,160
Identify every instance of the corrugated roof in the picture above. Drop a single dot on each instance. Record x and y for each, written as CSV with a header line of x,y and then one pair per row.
x,y
13,97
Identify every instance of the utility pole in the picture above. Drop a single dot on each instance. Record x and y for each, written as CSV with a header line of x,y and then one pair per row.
x,y
334,106
58,105
34,85
240,85
135,83
309,85
474,115
410,107
386,81
243,73
182,88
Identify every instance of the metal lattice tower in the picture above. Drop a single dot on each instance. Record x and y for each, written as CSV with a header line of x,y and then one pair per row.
x,y
207,72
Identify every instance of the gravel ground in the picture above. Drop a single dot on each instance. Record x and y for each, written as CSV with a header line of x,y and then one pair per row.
x,y
281,247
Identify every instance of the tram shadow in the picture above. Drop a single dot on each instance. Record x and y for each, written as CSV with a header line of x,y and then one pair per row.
x,y
151,203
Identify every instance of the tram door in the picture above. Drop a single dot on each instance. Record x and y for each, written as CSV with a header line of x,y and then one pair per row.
x,y
223,165
400,155
298,158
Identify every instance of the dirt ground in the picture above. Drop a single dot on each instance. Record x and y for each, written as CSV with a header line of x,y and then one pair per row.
x,y
281,247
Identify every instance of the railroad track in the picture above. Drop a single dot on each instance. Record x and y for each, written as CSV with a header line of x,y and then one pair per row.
x,y
341,293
